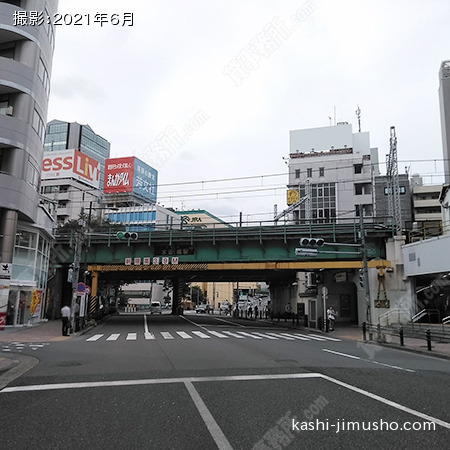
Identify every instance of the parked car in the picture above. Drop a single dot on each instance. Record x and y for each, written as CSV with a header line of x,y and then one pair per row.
x,y
202,309
155,308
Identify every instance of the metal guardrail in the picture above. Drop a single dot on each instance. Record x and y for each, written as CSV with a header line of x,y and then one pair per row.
x,y
378,332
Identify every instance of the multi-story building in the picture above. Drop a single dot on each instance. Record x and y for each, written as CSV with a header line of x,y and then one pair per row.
x,y
61,135
26,53
337,167
426,208
71,180
444,103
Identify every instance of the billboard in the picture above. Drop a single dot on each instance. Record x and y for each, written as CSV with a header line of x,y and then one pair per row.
x,y
130,174
71,164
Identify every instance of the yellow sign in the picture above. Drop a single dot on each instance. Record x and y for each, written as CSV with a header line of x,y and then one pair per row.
x,y
293,196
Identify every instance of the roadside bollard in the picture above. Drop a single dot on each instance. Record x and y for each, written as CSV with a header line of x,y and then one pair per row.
x,y
364,330
402,341
429,340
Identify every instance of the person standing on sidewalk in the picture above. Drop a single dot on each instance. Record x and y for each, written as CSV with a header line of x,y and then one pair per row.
x,y
65,316
331,313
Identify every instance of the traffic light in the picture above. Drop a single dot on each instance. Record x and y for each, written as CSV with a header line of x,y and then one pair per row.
x,y
361,277
127,235
312,242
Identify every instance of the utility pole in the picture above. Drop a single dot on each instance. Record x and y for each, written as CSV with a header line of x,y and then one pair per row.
x,y
365,266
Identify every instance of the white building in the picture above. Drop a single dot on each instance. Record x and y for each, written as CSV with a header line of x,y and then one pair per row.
x,y
339,166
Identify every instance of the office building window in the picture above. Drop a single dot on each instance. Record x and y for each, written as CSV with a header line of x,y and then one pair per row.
x,y
309,172
321,171
358,168
297,173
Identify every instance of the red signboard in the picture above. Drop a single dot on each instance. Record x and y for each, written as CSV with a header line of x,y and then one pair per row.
x,y
119,174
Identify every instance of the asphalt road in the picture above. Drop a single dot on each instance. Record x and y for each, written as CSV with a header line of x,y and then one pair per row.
x,y
205,382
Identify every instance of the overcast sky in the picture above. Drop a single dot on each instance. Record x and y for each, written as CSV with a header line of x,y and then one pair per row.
x,y
207,90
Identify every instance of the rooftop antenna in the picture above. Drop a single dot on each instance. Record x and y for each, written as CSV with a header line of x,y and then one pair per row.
x,y
358,115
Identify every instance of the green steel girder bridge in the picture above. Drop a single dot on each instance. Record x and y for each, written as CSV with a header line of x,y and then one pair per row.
x,y
256,253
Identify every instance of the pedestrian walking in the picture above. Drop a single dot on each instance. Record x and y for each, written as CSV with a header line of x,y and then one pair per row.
x,y
76,316
250,312
331,314
256,312
65,316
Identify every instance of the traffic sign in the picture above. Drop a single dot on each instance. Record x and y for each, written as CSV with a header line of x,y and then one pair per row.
x,y
306,252
81,287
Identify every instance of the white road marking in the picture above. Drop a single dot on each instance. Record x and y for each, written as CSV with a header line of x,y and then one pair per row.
x,y
369,361
217,334
96,337
149,335
234,335
166,335
231,323
295,336
193,323
326,338
113,337
131,336
311,336
184,335
249,335
341,354
97,384
213,427
280,335
201,335
265,336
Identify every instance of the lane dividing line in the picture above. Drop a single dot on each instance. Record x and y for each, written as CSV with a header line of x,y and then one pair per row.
x,y
213,427
290,376
388,402
341,354
369,361
149,335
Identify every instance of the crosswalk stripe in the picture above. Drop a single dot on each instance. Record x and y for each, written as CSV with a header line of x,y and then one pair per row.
x,y
201,335
184,335
310,336
217,334
327,338
96,337
149,335
295,336
281,336
113,337
166,335
131,336
266,336
234,335
249,335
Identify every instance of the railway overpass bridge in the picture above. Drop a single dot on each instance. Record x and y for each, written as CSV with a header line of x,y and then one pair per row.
x,y
272,254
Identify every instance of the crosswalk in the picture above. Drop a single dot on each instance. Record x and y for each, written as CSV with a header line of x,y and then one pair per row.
x,y
209,334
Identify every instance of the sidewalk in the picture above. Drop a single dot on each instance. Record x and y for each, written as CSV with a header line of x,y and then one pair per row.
x,y
49,331
354,333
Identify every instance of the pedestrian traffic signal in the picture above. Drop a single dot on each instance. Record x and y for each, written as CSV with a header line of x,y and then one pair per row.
x,y
312,242
361,277
127,235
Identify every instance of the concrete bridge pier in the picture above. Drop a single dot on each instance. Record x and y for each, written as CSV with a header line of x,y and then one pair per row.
x,y
177,294
283,297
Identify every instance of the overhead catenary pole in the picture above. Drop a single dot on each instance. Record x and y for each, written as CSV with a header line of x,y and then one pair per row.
x,y
365,267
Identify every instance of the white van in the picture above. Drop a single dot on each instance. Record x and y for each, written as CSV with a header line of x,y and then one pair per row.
x,y
155,308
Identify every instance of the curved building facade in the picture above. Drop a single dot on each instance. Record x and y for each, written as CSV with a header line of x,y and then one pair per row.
x,y
26,52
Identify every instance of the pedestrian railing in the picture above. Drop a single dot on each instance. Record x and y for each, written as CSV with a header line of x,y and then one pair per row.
x,y
379,333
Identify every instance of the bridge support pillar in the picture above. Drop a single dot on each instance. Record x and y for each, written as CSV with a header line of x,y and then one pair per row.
x,y
177,295
282,294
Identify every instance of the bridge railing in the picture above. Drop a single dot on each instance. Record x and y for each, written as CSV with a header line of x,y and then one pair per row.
x,y
332,230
